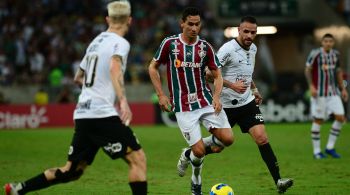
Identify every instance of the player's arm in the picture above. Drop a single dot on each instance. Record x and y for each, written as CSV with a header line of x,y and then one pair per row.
x,y
218,83
237,86
153,70
117,78
256,93
344,93
79,77
308,76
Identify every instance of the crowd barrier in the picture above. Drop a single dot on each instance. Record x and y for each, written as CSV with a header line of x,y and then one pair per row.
x,y
60,115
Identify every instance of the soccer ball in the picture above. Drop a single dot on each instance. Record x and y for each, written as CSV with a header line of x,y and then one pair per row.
x,y
221,189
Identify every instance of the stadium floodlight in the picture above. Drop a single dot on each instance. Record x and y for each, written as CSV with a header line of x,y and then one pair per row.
x,y
231,32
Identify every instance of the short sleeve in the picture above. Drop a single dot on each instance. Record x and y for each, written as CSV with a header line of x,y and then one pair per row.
x,y
162,53
213,62
224,55
83,63
311,58
121,48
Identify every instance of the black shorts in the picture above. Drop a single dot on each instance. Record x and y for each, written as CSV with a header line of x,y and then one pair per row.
x,y
246,116
109,133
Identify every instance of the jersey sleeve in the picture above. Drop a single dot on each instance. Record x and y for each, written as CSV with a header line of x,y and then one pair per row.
x,y
162,53
121,48
213,62
83,63
311,58
224,55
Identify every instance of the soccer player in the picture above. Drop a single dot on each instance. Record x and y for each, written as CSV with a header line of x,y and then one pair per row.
x,y
324,76
97,123
241,98
186,57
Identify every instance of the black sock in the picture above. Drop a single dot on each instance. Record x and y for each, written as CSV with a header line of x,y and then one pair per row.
x,y
139,187
270,160
36,183
187,153
208,150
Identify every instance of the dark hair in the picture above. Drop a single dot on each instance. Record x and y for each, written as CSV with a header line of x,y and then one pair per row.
x,y
328,35
190,11
250,19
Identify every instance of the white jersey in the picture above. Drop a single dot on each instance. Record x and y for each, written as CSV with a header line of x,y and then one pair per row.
x,y
237,64
98,96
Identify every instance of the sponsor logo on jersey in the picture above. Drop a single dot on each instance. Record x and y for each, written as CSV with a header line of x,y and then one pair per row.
x,y
175,51
84,105
225,58
178,63
201,52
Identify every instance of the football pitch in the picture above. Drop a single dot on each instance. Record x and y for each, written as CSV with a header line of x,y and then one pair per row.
x,y
26,153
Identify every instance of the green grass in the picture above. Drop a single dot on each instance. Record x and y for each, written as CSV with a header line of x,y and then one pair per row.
x,y
25,153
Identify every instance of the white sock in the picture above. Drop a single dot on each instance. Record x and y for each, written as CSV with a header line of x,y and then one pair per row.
x,y
333,134
212,141
196,174
316,137
197,164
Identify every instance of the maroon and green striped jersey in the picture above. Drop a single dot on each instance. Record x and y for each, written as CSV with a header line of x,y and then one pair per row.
x,y
186,71
324,66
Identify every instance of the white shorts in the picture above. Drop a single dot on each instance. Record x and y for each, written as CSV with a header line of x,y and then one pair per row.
x,y
322,107
189,122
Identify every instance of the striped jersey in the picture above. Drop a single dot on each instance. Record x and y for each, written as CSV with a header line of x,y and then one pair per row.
x,y
186,71
324,66
237,64
98,96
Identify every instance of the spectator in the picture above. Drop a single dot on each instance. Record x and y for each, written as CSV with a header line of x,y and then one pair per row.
x,y
41,97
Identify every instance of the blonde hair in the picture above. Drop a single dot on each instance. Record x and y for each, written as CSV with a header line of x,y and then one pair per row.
x,y
118,9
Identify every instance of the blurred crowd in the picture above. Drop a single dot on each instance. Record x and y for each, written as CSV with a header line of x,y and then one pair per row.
x,y
43,41
342,7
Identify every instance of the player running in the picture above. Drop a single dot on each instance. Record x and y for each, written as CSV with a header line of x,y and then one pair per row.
x,y
186,56
97,123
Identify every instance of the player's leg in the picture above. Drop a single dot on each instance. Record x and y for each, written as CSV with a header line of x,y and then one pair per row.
x,y
196,157
70,172
119,141
259,135
81,154
190,129
220,129
335,105
318,112
252,122
137,171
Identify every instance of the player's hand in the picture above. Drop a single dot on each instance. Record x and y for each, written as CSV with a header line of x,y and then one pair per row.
x,y
258,97
217,105
125,112
344,95
313,91
164,103
239,86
